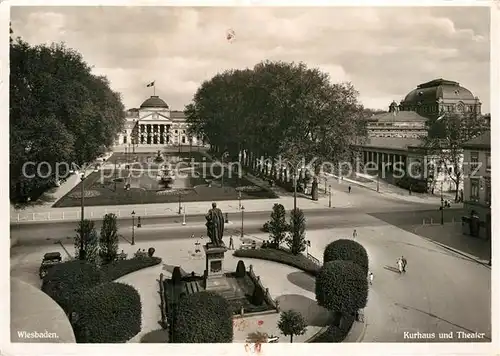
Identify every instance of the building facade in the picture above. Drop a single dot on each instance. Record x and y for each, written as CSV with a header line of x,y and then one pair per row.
x,y
426,102
154,124
477,180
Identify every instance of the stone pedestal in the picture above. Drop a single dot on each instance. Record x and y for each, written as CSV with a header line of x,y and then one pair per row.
x,y
215,279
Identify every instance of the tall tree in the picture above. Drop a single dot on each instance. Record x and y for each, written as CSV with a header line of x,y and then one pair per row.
x,y
445,140
296,239
292,323
278,226
59,112
108,242
87,233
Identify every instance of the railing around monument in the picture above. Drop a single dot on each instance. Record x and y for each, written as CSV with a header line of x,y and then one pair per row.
x,y
314,259
267,295
163,321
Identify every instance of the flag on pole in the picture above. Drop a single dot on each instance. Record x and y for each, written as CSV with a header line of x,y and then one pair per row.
x,y
151,84
439,118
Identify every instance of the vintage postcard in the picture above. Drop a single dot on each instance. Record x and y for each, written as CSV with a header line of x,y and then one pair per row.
x,y
243,178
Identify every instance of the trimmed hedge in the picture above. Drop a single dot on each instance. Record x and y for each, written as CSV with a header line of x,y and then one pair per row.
x,y
281,256
203,317
342,287
258,296
117,269
65,282
176,275
346,250
240,269
108,313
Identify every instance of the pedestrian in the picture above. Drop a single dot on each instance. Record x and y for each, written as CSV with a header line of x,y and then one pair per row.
x,y
404,263
231,243
349,188
400,265
354,234
370,277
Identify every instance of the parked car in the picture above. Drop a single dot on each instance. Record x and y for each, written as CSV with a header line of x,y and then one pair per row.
x,y
50,259
273,339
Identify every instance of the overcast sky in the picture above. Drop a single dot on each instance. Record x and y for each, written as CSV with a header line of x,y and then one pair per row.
x,y
384,52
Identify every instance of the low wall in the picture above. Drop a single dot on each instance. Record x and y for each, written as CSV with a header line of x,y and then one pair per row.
x,y
163,309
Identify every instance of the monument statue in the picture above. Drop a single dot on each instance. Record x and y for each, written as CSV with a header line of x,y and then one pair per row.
x,y
215,225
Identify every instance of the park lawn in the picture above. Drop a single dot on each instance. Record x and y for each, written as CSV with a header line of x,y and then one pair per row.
x,y
146,192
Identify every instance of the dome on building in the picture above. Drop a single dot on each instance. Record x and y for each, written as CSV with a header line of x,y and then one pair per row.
x,y
438,89
154,102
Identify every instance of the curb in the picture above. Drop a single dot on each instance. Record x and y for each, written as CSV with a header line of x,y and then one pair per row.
x,y
458,252
357,332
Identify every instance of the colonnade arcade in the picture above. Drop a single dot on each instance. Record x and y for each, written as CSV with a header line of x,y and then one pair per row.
x,y
153,134
379,159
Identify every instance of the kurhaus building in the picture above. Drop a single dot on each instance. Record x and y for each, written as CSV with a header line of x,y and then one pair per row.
x,y
154,124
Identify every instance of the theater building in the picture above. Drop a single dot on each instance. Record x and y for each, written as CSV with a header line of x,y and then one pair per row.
x,y
155,124
396,136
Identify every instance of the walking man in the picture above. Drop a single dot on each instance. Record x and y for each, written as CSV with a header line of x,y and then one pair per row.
x,y
404,262
400,265
349,188
231,243
354,234
370,278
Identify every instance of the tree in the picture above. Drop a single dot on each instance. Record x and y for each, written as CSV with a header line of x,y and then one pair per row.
x,y
108,242
445,139
296,237
292,323
342,287
88,234
203,317
278,226
346,250
275,109
59,112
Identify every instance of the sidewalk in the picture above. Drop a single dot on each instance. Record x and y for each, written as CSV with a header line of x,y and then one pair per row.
x,y
396,192
450,236
168,209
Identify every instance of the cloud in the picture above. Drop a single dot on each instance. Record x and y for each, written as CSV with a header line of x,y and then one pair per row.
x,y
384,51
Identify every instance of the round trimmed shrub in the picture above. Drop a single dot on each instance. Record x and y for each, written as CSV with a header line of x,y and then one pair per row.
x,y
346,250
176,275
257,296
203,317
108,313
342,286
240,269
151,251
66,281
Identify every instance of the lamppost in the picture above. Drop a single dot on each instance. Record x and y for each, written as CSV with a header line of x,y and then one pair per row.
x,y
180,207
82,216
378,182
239,200
184,216
442,205
329,196
224,155
242,217
295,191
133,227
116,161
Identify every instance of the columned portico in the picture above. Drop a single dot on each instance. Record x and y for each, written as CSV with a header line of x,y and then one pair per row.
x,y
154,124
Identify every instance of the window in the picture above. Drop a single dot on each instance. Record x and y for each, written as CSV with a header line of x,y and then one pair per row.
x,y
183,139
474,161
487,191
474,189
488,162
175,131
125,139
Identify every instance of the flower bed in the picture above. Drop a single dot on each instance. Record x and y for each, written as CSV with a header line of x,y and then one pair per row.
x,y
249,188
117,269
281,256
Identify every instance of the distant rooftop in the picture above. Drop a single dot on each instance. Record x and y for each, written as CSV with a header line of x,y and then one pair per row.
x,y
482,141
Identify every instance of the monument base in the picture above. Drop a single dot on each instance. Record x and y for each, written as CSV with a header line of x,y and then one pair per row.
x,y
217,284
